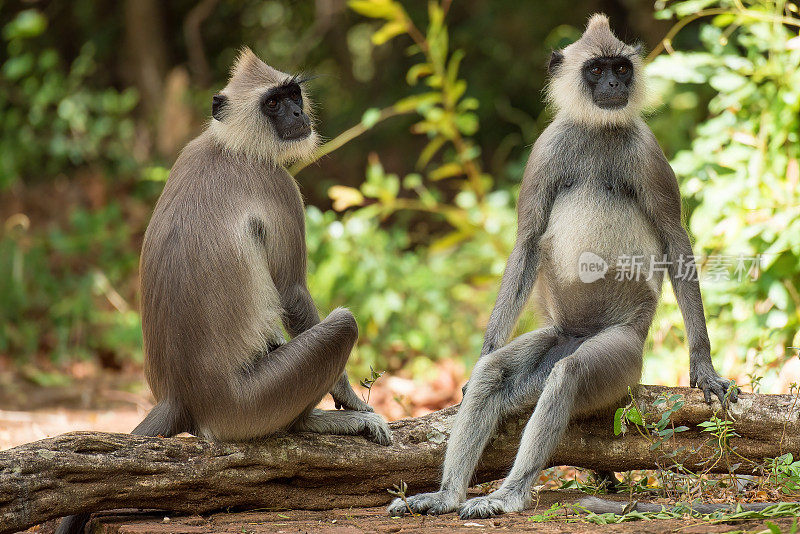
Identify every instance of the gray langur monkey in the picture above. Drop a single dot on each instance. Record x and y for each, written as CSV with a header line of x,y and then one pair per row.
x,y
597,187
223,268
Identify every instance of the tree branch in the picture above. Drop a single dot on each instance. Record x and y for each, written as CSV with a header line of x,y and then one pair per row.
x,y
90,471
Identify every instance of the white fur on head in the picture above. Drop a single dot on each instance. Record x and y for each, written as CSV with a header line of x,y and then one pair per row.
x,y
244,128
568,91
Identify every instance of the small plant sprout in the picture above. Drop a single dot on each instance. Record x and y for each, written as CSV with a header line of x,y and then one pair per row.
x,y
401,491
370,381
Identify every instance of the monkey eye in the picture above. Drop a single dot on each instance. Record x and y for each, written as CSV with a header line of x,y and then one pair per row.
x,y
622,69
596,70
272,103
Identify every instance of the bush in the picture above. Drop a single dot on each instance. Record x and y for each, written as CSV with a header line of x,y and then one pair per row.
x,y
741,175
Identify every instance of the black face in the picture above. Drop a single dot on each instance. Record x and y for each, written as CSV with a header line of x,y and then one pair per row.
x,y
609,79
283,105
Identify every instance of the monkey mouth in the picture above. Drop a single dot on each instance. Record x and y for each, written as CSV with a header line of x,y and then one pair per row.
x,y
295,134
611,102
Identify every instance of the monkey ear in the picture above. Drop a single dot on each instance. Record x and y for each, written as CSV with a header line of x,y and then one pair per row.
x,y
218,102
556,58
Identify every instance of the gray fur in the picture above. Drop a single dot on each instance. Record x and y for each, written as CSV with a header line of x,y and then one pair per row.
x,y
595,182
223,270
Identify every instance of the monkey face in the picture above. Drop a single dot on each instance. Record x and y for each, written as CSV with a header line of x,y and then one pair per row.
x,y
283,106
609,79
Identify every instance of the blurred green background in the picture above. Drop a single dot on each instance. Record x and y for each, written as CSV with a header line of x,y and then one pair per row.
x,y
430,110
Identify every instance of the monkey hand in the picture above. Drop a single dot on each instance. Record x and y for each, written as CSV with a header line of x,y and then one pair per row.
x,y
344,397
354,403
703,376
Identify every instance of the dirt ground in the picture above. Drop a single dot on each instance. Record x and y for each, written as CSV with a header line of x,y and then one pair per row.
x,y
356,520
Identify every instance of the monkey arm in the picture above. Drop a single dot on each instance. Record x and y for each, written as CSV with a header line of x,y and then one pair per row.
x,y
515,288
535,202
683,276
300,312
661,201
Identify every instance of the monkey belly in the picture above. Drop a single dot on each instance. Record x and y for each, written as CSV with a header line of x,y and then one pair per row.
x,y
597,259
580,308
592,236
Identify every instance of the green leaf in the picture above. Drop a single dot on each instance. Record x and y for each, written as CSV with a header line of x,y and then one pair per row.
x,y
467,123
17,67
418,102
430,150
371,117
376,9
618,421
417,71
635,416
689,7
726,82
391,29
446,171
452,66
28,23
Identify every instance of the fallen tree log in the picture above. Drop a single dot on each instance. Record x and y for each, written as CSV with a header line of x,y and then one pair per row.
x,y
89,471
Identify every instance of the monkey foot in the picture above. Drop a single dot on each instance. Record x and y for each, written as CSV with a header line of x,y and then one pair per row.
x,y
376,429
436,503
491,505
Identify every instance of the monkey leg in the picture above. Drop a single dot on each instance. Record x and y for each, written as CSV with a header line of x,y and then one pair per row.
x,y
346,423
284,385
597,374
501,383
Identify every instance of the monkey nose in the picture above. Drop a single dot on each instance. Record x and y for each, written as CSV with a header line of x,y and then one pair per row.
x,y
613,83
297,113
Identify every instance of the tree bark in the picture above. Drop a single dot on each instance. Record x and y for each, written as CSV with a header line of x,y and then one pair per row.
x,y
145,51
88,471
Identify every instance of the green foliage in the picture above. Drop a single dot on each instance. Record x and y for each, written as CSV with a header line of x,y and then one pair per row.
x,y
52,117
419,250
427,301
548,515
741,172
409,303
785,473
58,287
659,432
683,510
446,118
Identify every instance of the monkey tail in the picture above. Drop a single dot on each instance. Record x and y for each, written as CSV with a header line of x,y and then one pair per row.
x,y
604,506
165,419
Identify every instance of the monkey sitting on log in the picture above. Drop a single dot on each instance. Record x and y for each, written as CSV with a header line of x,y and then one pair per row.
x,y
597,190
223,269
